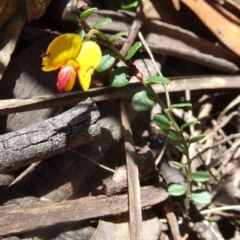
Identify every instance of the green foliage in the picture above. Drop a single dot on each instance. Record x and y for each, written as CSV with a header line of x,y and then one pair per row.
x,y
87,13
173,136
133,4
178,164
158,79
119,77
71,17
81,33
145,100
162,121
180,147
102,22
133,50
188,124
180,105
107,61
200,176
201,196
197,138
176,189
118,35
141,101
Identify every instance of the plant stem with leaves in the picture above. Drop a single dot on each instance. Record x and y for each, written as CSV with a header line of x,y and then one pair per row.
x,y
145,100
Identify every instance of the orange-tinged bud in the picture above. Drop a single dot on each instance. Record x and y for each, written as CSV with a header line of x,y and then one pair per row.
x,y
66,78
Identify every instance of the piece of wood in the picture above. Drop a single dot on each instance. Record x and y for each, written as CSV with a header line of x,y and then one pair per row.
x,y
186,50
69,181
135,28
172,37
222,23
204,232
116,227
75,127
24,78
10,33
134,200
7,8
205,52
116,183
62,176
172,220
36,8
16,219
105,93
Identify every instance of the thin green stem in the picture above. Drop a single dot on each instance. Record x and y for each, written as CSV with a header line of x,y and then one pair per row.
x,y
189,178
84,25
154,95
182,139
109,44
162,105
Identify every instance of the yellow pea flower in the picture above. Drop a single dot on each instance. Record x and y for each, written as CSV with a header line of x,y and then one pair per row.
x,y
74,57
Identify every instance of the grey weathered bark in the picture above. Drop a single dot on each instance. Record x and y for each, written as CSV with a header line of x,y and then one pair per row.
x,y
73,128
61,176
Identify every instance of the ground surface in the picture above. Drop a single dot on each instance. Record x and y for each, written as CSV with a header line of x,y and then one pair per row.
x,y
49,186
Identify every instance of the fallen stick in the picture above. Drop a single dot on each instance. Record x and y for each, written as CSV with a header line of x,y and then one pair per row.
x,y
134,200
16,219
37,142
105,93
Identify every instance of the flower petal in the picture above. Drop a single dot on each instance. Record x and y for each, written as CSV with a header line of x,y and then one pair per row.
x,y
89,58
85,76
90,55
66,78
60,50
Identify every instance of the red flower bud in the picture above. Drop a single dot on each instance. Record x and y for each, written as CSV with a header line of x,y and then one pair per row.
x,y
66,78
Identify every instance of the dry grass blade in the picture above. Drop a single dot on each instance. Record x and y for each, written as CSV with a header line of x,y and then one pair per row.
x,y
233,103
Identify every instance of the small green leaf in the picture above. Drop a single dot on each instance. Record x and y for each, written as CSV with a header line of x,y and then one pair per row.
x,y
189,124
172,135
102,22
141,101
87,13
133,50
178,164
133,4
71,17
197,138
179,147
118,78
201,196
118,35
180,105
200,176
158,79
176,189
81,33
108,59
162,121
